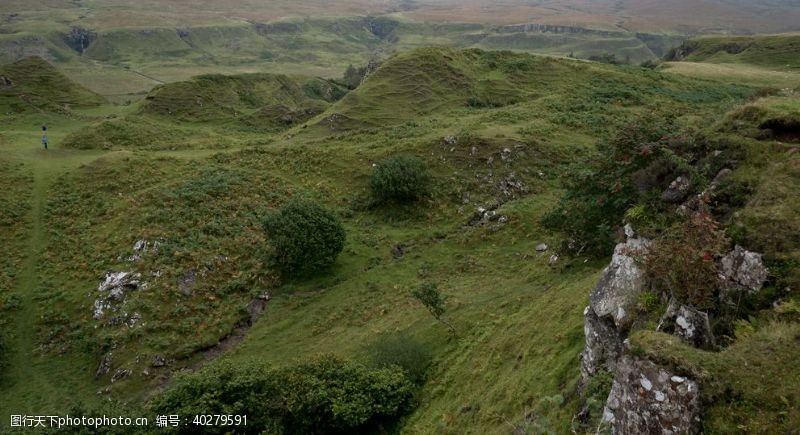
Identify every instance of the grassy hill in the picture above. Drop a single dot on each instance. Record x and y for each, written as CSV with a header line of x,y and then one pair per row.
x,y
497,129
33,84
770,51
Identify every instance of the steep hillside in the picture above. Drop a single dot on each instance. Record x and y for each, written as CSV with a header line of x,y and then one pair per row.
x,y
771,51
33,84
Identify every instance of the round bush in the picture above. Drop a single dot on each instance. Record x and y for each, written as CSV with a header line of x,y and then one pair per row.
x,y
305,237
400,178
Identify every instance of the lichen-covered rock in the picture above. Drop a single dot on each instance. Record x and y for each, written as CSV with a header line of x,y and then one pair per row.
x,y
677,190
114,288
603,345
622,282
647,399
744,269
688,323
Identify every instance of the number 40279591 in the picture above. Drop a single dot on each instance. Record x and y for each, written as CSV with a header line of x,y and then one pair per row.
x,y
219,420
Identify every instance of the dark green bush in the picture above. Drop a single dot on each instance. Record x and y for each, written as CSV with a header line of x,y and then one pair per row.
x,y
402,351
305,237
327,395
400,178
633,169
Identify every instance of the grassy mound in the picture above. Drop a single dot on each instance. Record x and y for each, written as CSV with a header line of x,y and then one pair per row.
x,y
776,117
775,51
33,84
440,81
220,98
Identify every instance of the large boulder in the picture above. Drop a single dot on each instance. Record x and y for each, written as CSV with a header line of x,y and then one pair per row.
x,y
647,399
622,282
744,269
688,323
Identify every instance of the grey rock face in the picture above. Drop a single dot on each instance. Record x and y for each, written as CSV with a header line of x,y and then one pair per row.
x,y
677,190
744,269
647,399
622,282
105,365
114,288
688,323
603,345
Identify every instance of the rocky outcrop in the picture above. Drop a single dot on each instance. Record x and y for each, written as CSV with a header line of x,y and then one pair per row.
x,y
607,319
687,323
79,39
647,399
113,290
678,190
621,284
744,270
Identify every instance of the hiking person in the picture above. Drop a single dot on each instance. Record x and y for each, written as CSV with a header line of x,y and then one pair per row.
x,y
44,136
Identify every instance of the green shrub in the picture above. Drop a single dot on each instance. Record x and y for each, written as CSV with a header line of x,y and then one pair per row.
x,y
682,262
400,178
402,351
628,177
327,395
305,237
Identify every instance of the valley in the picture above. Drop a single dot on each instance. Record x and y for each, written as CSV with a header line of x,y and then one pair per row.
x,y
140,272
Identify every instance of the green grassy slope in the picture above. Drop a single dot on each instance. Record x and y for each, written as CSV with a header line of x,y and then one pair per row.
x,y
773,51
516,121
32,84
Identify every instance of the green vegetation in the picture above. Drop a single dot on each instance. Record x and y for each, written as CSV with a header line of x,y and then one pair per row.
x,y
495,132
748,386
322,396
400,178
402,351
774,51
305,237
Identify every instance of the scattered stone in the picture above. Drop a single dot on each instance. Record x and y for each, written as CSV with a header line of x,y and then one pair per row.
x,y
744,269
158,361
115,286
553,260
450,140
186,282
398,251
677,190
5,81
105,365
645,399
256,307
688,323
542,247
121,373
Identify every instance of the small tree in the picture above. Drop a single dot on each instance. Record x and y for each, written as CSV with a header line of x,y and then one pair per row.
x,y
428,294
305,237
400,178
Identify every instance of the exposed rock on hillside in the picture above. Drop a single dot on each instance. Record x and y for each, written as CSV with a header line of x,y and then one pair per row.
x,y
622,282
113,290
688,323
647,399
744,269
